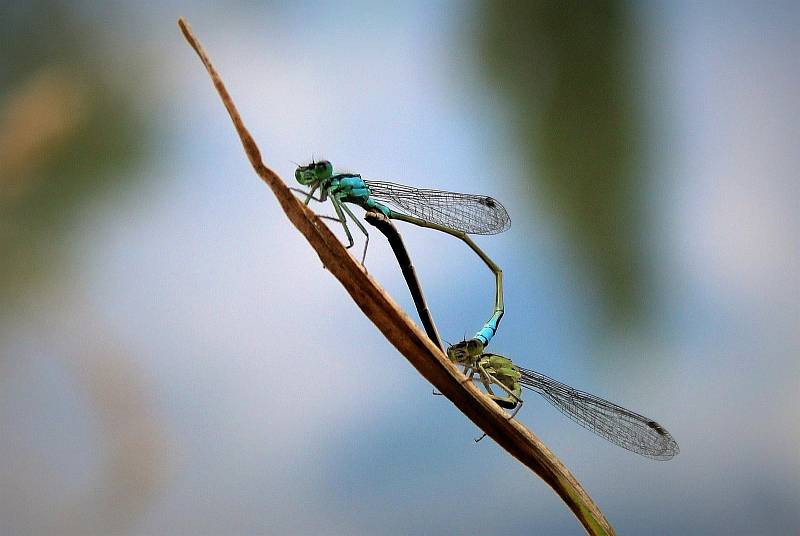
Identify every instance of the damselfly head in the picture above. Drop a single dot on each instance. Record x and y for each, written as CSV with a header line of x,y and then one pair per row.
x,y
314,172
465,351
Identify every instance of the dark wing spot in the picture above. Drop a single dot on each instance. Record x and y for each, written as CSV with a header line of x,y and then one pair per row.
x,y
657,427
488,201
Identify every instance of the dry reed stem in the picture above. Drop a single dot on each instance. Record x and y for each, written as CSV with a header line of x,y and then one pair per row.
x,y
409,340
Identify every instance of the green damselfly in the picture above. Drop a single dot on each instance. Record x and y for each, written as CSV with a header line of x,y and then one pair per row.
x,y
453,213
618,425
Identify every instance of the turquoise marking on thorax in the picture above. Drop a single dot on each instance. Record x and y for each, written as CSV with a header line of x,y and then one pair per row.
x,y
351,182
353,189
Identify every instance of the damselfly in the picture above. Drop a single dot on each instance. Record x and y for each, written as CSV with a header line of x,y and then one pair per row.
x,y
453,213
621,426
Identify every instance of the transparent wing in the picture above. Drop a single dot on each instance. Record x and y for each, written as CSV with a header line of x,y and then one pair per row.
x,y
622,427
473,214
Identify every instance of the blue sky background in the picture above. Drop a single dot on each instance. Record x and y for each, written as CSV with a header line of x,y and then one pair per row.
x,y
190,368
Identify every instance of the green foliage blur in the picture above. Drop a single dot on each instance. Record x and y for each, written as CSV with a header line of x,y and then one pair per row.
x,y
566,70
68,132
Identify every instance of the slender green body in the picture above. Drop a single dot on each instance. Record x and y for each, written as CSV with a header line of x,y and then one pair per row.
x,y
432,209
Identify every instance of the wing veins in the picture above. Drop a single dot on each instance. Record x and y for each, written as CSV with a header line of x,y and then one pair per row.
x,y
471,213
618,425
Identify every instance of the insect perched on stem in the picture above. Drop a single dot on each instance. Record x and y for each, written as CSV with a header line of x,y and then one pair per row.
x,y
453,213
618,425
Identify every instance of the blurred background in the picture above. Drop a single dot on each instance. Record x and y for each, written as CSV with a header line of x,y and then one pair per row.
x,y
175,360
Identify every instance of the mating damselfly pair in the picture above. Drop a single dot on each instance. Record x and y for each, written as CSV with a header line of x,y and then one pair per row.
x,y
460,215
